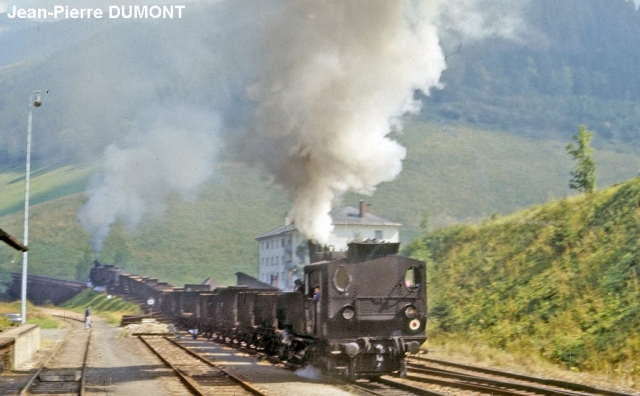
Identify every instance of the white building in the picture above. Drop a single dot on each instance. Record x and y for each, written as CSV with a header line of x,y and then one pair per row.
x,y
283,251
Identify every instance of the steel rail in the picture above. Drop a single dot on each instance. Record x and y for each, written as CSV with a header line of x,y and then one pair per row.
x,y
291,366
83,380
25,389
190,383
544,381
407,387
247,386
473,381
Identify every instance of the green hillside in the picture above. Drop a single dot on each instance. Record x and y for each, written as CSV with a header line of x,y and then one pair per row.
x,y
212,237
454,173
54,183
459,173
560,281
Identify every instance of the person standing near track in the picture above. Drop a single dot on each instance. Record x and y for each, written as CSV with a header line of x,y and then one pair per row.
x,y
87,318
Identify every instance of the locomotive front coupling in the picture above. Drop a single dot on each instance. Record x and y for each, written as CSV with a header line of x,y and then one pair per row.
x,y
395,345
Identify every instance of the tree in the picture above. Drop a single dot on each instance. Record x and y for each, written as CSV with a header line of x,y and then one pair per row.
x,y
83,267
583,176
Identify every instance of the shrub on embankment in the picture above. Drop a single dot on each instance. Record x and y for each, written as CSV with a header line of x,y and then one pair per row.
x,y
560,281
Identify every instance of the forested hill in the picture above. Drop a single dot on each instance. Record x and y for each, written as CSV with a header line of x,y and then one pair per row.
x,y
576,64
560,281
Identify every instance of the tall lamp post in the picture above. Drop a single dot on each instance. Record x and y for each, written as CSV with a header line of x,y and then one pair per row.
x,y
34,101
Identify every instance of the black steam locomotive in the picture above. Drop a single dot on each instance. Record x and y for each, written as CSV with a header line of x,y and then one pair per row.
x,y
357,316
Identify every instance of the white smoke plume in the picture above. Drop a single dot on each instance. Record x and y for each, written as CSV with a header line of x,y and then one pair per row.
x,y
144,170
310,91
334,82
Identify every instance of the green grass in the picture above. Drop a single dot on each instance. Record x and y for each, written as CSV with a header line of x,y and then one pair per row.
x,y
34,315
455,173
459,174
45,185
110,308
559,281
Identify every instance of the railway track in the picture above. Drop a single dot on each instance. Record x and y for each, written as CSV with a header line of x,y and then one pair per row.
x,y
437,378
271,377
64,370
489,381
389,387
199,376
380,387
361,388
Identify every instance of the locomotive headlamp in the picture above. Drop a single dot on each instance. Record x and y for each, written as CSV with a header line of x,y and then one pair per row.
x,y
348,313
410,312
414,324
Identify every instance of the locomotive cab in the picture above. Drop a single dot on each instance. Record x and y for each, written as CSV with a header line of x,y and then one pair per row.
x,y
368,309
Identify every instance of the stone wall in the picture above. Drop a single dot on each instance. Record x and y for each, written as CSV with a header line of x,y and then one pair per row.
x,y
26,343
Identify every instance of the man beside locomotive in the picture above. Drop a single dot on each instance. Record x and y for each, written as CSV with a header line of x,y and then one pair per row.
x,y
316,294
316,308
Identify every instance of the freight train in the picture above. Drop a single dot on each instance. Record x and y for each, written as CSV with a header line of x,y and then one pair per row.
x,y
357,316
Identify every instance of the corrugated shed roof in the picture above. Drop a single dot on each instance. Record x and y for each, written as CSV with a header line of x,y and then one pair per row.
x,y
11,241
346,215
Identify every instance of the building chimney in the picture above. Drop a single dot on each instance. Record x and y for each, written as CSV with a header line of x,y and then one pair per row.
x,y
363,209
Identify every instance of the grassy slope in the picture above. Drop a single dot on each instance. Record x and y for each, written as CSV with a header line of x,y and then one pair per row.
x,y
457,173
108,307
454,173
560,280
54,183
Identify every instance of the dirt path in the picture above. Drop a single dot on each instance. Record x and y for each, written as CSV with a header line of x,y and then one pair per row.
x,y
117,364
122,365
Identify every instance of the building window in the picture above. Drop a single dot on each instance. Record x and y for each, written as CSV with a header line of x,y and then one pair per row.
x,y
378,234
